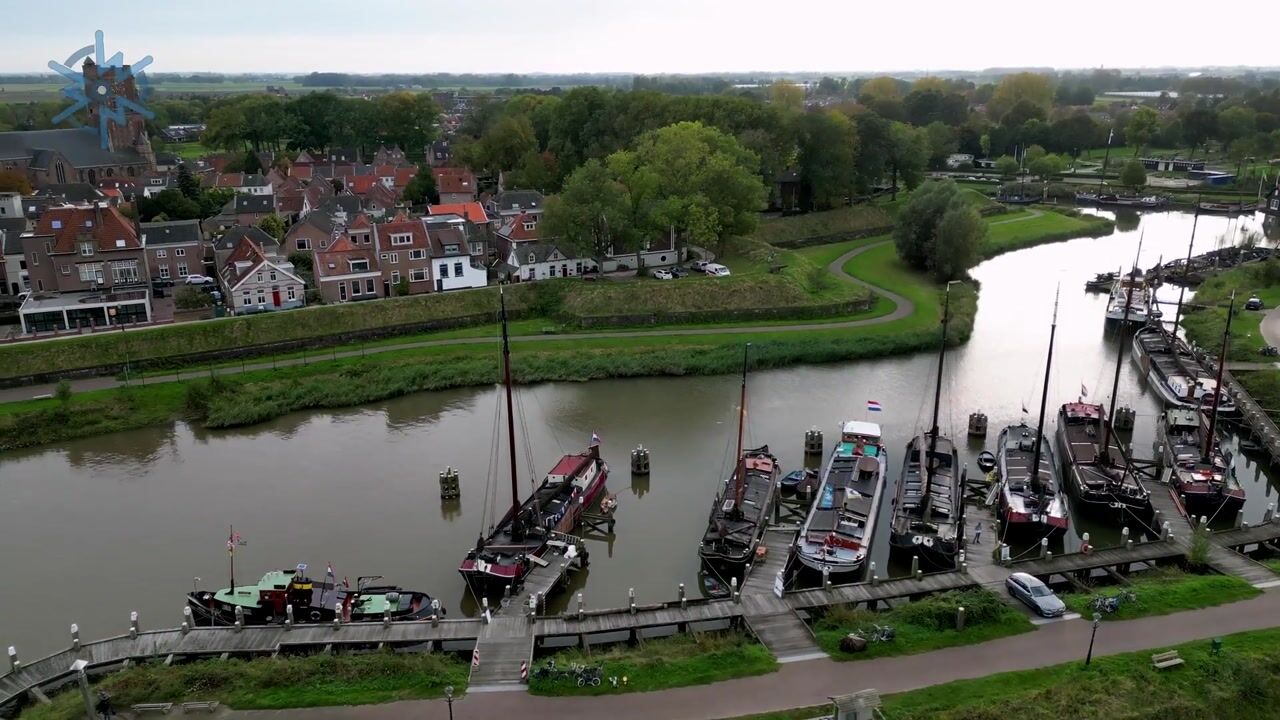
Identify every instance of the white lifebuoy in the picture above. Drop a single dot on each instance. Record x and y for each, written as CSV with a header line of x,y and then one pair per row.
x,y
916,539
928,542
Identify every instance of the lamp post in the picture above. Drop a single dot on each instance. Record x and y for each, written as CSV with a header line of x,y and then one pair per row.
x,y
448,697
1089,658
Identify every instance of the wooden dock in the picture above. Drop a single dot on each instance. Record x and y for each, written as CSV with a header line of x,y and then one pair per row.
x,y
504,644
773,621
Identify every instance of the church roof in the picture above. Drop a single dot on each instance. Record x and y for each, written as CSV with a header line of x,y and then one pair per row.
x,y
80,147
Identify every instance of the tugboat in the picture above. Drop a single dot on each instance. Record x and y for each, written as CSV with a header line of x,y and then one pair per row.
x,y
740,514
838,532
529,530
1030,492
928,512
264,603
1099,475
1198,469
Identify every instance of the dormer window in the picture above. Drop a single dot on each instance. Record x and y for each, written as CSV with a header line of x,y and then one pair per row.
x,y
86,249
361,265
451,249
532,257
530,226
88,223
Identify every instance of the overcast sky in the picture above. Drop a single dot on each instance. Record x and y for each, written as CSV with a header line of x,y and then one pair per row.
x,y
644,36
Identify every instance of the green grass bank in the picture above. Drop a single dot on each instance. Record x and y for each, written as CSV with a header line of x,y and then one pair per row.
x,y
1160,592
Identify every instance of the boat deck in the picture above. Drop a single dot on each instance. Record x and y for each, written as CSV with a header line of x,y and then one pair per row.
x,y
1019,454
739,530
943,493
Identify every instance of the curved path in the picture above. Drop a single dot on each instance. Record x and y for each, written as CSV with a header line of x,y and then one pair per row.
x,y
802,684
904,308
1270,326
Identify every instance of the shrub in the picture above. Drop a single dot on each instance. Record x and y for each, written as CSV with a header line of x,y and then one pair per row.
x,y
189,298
939,612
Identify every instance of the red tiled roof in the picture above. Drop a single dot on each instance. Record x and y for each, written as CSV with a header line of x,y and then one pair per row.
x,y
398,226
230,180
472,211
462,182
111,192
300,171
245,250
361,184
404,175
361,222
514,229
340,254
110,229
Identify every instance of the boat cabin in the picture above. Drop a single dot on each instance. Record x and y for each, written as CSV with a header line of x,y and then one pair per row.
x,y
856,433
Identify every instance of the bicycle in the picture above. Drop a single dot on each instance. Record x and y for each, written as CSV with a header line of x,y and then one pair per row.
x,y
878,633
592,676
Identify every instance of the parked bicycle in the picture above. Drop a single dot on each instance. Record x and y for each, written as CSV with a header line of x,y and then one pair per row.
x,y
1108,605
589,676
877,633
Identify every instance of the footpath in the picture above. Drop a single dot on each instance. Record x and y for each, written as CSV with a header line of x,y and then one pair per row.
x,y
800,684
903,308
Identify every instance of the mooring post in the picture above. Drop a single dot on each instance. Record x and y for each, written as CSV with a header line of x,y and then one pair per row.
x,y
1204,522
14,665
580,607
288,616
337,615
1084,541
1004,554
484,611
826,578
915,566
435,613
1239,518
239,618
533,608
133,625
680,590
733,585
1124,536
506,591
631,600
640,461
1044,547
386,617
187,616
1165,533
1048,554
746,572
813,441
75,636
1267,516
964,567
960,618
875,579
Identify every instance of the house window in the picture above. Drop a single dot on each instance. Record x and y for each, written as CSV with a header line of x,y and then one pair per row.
x,y
444,270
551,271
355,288
180,252
247,300
342,292
164,272
417,254
182,270
262,296
361,265
395,277
532,258
162,254
578,267
418,275
402,239
259,277
292,293
124,271
393,257
530,226
450,249
91,272
66,269
272,276
368,286
529,274
86,249
477,248
303,243
457,269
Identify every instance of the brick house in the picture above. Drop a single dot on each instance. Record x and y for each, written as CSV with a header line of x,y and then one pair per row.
x,y
253,281
348,272
174,249
455,185
404,253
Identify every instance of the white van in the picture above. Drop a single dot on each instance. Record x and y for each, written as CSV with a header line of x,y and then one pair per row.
x,y
716,270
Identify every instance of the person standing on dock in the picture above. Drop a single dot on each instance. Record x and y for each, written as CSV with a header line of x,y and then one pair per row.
x,y
977,533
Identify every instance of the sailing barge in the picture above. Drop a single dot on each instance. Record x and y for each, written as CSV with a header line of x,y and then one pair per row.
x,y
1098,473
1132,300
1174,372
740,513
265,603
841,525
928,509
1201,479
530,529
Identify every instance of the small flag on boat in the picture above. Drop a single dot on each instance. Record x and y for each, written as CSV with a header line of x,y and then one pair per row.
x,y
233,540
595,440
1084,391
873,406
1024,408
328,569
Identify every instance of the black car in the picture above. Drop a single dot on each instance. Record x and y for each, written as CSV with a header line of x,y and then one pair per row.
x,y
1253,303
679,271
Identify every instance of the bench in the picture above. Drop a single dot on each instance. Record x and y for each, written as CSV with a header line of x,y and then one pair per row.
x,y
206,705
162,708
1163,660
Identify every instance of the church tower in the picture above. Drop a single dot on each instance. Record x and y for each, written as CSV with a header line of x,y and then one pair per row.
x,y
107,82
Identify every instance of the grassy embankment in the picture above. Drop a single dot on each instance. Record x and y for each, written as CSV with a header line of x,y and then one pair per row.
x,y
1241,683
1016,232
923,625
671,662
270,683
1161,592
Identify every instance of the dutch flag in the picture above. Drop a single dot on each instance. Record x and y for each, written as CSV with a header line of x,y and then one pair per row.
x,y
873,406
595,440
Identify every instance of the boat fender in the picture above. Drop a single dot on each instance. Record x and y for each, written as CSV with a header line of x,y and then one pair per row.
x,y
1086,548
916,539
928,542
315,616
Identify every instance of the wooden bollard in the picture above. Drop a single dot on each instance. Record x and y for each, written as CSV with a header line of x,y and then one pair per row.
x,y
1124,536
533,610
435,613
1165,533
14,665
133,625
386,617
1266,516
75,636
680,590
581,609
1239,518
813,441
187,617
875,578
1204,522
826,578
506,591
631,600
337,616
733,585
1048,554
239,618
185,627
960,618
746,572
640,461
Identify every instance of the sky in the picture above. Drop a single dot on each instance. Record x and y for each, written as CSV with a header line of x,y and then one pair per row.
x,y
640,36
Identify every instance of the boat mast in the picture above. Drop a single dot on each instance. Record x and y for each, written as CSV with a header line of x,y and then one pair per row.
x,y
927,508
739,486
1115,383
231,556
516,531
1036,486
1186,270
1206,455
1102,177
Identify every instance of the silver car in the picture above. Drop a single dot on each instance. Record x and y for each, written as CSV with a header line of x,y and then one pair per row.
x,y
1035,594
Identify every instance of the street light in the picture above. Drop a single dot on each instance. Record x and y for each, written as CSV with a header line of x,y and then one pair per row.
x,y
448,697
1089,658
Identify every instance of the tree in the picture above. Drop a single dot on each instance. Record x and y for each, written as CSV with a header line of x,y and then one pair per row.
x,y
509,140
828,143
1033,88
212,200
918,233
943,141
190,298
1198,126
1133,174
880,88
422,188
251,163
1047,166
1007,166
1033,153
592,215
908,155
958,242
984,141
406,120
171,203
14,181
272,225
1235,123
787,96
1143,125
1021,113
187,183
873,150
1075,134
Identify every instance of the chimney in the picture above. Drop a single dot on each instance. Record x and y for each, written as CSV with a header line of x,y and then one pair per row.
x,y
97,213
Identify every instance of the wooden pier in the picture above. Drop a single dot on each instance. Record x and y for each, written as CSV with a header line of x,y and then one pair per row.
x,y
771,618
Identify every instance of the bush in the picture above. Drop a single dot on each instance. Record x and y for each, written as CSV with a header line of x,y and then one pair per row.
x,y
190,298
63,392
939,612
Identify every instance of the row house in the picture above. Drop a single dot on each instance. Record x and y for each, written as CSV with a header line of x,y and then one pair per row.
x,y
174,249
230,240
244,183
473,212
253,281
404,249
510,203
453,267
348,271
455,185
87,268
539,260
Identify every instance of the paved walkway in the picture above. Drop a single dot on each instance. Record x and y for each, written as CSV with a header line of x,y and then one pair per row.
x,y
810,683
1271,326
904,308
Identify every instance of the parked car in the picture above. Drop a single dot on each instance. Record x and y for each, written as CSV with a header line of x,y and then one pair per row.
x,y
662,274
699,265
197,280
679,271
716,270
1253,303
1035,595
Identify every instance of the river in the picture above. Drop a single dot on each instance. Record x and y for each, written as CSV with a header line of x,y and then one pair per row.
x,y
96,528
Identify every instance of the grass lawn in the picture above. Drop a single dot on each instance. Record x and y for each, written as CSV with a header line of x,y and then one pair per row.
x,y
671,662
1204,324
271,683
828,223
187,151
1166,591
1014,231
924,625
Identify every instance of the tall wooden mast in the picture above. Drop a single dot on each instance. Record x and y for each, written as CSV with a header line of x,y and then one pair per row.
x,y
1207,452
740,481
927,507
516,530
1036,485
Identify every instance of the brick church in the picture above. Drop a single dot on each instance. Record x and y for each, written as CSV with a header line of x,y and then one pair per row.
x,y
69,155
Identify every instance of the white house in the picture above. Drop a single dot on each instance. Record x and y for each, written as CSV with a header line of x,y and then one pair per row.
x,y
453,266
542,260
254,282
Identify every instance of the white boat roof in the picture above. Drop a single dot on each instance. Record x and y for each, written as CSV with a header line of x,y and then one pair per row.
x,y
859,427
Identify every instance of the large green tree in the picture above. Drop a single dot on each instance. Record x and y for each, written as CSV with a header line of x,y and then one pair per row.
x,y
421,188
1133,175
593,214
1143,125
908,155
1235,123
828,150
1032,88
407,120
938,232
958,241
